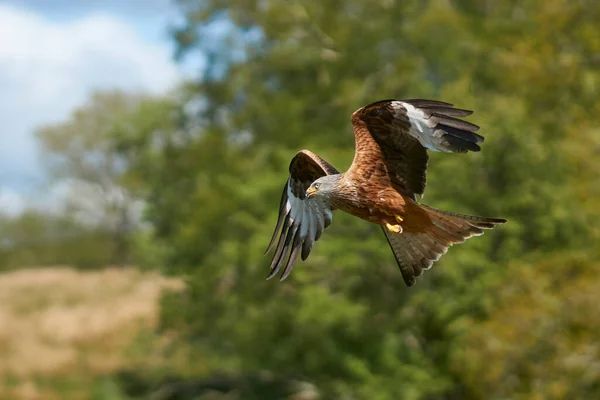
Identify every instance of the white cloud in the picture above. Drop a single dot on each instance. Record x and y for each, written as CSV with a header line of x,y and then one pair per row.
x,y
48,68
11,202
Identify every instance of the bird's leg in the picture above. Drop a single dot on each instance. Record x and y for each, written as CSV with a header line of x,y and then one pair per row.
x,y
397,228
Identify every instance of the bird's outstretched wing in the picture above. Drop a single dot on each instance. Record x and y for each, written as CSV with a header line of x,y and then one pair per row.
x,y
301,221
392,138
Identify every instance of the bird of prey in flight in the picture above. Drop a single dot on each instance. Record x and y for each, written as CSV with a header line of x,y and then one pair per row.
x,y
381,186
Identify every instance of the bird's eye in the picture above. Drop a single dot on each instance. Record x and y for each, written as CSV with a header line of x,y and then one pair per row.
x,y
317,185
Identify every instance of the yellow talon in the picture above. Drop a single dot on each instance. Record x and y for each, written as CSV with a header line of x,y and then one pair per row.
x,y
399,218
393,228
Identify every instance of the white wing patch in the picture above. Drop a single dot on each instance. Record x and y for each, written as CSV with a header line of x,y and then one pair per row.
x,y
436,128
302,222
420,125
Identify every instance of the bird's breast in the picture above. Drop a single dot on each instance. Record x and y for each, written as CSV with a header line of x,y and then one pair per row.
x,y
373,204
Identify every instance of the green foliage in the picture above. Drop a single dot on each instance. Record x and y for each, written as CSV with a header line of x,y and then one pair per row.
x,y
541,340
507,315
91,160
35,238
287,75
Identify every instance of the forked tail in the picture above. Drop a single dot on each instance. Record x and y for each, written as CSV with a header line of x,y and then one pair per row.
x,y
422,244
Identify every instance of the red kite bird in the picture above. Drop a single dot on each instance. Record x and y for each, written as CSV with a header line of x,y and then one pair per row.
x,y
381,186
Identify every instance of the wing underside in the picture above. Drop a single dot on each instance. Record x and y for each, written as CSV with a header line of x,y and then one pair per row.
x,y
300,221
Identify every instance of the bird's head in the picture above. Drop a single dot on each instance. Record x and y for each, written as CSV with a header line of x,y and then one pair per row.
x,y
325,186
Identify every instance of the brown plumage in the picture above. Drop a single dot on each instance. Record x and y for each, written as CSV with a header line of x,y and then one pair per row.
x,y
381,186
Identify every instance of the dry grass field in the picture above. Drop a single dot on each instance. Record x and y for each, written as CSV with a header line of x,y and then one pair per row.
x,y
61,329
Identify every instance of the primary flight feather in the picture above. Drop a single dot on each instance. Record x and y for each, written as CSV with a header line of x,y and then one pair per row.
x,y
381,186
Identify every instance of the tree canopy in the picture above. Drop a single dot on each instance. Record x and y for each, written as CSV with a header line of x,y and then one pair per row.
x,y
287,75
509,315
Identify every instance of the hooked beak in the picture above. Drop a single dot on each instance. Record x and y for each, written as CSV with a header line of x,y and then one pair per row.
x,y
310,192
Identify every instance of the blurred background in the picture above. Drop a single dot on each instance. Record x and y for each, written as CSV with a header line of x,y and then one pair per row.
x,y
144,147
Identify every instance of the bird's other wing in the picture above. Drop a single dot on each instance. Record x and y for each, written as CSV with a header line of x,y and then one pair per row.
x,y
301,221
393,135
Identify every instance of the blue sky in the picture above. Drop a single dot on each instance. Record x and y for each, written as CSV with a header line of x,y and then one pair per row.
x,y
54,53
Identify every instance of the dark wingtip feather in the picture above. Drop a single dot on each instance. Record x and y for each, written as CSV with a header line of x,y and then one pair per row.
x,y
489,223
282,236
459,145
283,250
306,248
447,111
428,103
454,122
291,262
280,218
272,274
461,133
296,246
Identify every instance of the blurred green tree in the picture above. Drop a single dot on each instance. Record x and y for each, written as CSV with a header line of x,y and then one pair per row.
x,y
95,173
282,76
39,238
541,342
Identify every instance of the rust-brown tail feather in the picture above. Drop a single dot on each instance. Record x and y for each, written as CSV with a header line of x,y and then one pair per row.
x,y
416,251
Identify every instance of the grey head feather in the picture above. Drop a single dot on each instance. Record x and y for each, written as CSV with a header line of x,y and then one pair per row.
x,y
326,186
